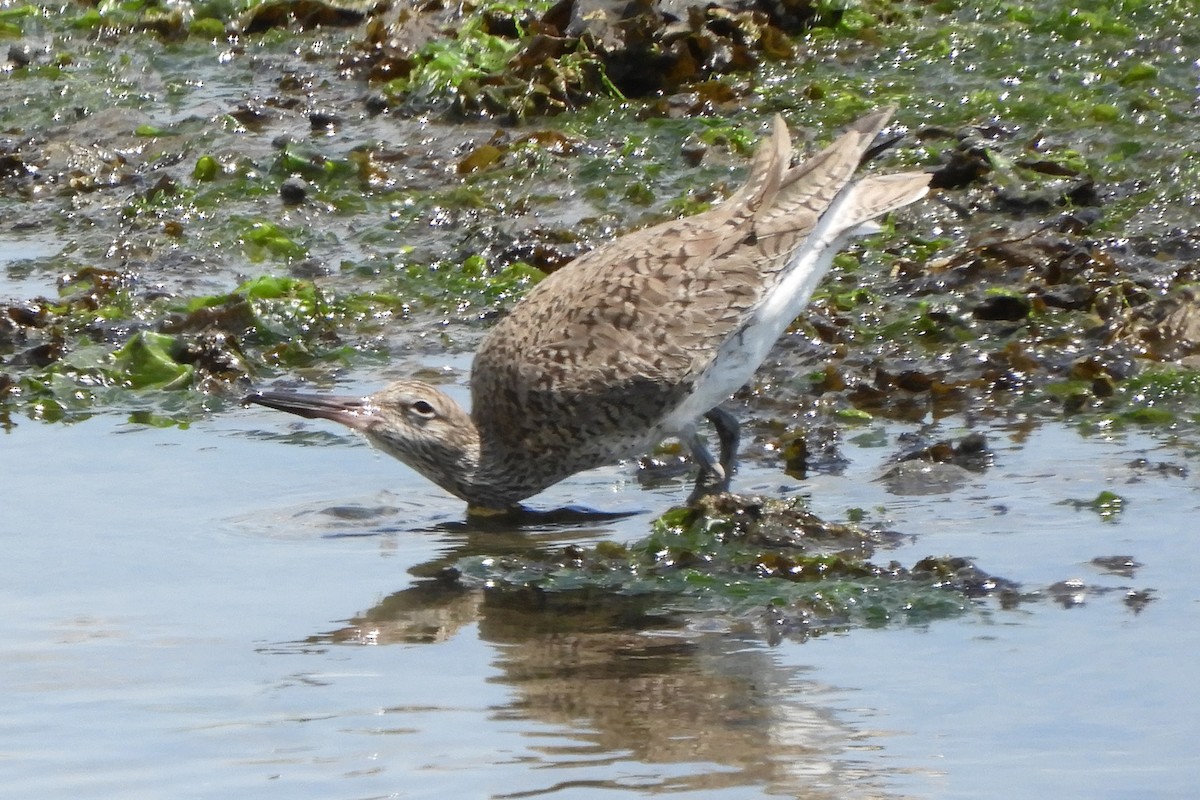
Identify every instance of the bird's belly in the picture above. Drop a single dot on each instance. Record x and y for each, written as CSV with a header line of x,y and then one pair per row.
x,y
737,361
740,356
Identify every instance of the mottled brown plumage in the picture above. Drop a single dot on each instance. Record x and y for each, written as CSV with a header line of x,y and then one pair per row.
x,y
636,340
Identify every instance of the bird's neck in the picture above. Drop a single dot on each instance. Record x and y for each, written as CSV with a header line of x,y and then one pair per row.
x,y
461,461
476,471
496,477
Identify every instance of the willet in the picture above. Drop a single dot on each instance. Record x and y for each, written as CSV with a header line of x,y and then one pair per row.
x,y
638,339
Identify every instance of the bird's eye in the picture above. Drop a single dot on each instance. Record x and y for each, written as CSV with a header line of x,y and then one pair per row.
x,y
422,408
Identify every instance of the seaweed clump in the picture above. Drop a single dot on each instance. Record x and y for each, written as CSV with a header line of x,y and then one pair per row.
x,y
742,558
519,61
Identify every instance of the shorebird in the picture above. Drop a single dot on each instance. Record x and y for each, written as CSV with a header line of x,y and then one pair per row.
x,y
637,340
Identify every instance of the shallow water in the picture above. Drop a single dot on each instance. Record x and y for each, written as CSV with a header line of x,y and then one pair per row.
x,y
219,611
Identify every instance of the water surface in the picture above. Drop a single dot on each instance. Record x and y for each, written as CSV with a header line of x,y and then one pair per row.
x,y
219,611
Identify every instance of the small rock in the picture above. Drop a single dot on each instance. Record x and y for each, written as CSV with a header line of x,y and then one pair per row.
x,y
917,478
1069,593
310,268
324,120
20,55
293,191
1003,308
693,151
1071,297
376,103
1123,566
1138,599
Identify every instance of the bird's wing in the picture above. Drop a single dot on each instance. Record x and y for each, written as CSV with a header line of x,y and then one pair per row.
x,y
635,321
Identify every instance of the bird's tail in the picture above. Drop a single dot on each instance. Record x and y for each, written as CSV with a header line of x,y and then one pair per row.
x,y
877,195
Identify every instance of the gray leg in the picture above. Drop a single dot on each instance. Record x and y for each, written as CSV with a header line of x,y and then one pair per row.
x,y
727,434
714,475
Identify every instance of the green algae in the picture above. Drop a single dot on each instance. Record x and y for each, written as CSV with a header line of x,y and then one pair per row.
x,y
442,66
146,362
1042,66
1162,385
1108,505
213,344
207,168
1160,397
261,240
1030,76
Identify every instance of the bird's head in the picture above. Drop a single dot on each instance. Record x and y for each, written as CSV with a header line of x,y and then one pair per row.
x,y
409,420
